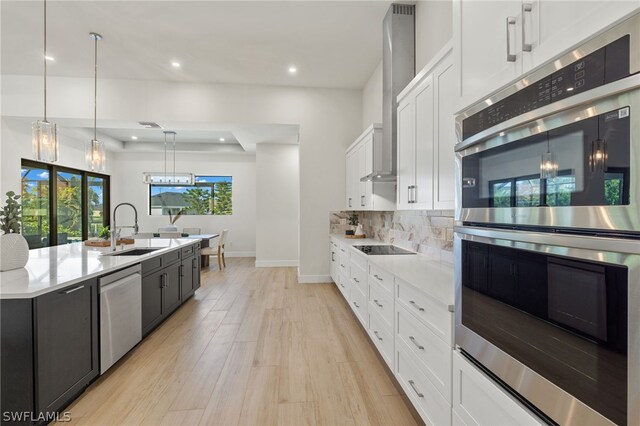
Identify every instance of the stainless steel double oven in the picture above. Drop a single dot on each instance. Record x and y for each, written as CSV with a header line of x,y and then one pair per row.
x,y
548,238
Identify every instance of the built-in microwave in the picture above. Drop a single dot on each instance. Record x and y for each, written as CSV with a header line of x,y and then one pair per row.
x,y
561,147
555,318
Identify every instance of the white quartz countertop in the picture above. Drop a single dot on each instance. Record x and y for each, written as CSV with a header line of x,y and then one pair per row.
x,y
432,276
52,268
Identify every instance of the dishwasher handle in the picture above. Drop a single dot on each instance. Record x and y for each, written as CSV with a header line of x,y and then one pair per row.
x,y
122,281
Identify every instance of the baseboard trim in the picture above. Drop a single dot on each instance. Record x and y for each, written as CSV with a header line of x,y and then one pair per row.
x,y
276,263
308,279
239,254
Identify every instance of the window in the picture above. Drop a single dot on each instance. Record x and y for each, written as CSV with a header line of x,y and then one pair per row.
x,y
211,195
529,191
613,188
61,205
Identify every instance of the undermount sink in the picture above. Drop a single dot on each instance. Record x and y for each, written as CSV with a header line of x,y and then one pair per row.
x,y
134,252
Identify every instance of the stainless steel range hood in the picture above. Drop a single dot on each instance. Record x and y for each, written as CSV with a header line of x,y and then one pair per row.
x,y
398,69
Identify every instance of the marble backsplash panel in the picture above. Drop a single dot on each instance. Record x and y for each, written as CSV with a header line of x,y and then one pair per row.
x,y
424,231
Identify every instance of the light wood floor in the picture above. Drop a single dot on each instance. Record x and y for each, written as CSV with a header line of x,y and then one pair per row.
x,y
252,347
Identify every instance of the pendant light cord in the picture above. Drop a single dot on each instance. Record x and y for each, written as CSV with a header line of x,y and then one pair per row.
x,y
45,60
95,90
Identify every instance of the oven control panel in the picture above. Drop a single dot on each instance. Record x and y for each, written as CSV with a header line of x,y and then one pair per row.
x,y
605,65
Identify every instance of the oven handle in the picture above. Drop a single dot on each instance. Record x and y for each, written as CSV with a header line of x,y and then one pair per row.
x,y
612,250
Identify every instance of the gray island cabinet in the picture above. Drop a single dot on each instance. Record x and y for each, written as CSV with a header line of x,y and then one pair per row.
x,y
50,350
50,344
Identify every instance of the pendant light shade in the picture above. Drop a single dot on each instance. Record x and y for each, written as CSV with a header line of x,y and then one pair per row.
x,y
95,154
44,140
548,166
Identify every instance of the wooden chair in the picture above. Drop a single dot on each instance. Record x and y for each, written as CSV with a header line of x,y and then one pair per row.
x,y
191,231
218,250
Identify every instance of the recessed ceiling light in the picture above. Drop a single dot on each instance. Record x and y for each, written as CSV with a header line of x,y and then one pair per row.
x,y
50,58
175,64
293,70
221,139
135,138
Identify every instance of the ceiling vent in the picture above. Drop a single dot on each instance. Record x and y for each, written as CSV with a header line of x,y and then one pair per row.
x,y
149,125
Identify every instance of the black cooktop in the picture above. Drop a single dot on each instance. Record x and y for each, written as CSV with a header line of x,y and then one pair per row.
x,y
382,250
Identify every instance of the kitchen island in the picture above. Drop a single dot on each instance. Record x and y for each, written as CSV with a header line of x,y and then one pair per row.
x,y
51,314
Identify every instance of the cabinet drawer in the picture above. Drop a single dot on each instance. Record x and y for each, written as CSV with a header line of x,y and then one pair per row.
x,y
359,277
433,314
171,257
343,285
151,265
381,303
382,277
358,304
358,259
433,408
477,400
381,336
434,354
188,251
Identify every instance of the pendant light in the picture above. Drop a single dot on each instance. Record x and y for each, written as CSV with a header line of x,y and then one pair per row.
x,y
598,156
95,154
548,164
44,140
182,179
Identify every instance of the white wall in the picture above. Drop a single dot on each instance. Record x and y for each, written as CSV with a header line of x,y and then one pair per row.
x,y
329,120
15,145
277,192
127,186
434,27
372,99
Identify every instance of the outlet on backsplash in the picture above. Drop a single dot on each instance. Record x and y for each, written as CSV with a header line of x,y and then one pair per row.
x,y
424,231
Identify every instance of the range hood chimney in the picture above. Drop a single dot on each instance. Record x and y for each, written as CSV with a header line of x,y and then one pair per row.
x,y
398,69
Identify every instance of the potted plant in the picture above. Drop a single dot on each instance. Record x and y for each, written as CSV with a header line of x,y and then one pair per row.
x,y
352,219
14,250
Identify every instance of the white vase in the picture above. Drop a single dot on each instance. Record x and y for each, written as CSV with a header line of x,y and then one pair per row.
x,y
14,252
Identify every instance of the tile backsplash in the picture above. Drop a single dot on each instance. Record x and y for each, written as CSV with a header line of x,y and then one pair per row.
x,y
424,231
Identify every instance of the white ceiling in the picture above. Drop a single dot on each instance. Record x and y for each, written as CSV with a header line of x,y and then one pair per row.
x,y
332,43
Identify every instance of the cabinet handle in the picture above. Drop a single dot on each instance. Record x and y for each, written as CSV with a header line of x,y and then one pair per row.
x,y
356,305
377,303
362,201
409,194
73,289
162,281
194,263
526,8
413,198
333,256
510,56
342,285
356,280
342,250
376,333
342,265
377,277
413,340
182,270
415,389
418,307
349,201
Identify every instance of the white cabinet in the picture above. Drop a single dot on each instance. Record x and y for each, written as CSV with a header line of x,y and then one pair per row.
x,y
360,163
477,400
487,41
498,41
426,137
334,256
555,26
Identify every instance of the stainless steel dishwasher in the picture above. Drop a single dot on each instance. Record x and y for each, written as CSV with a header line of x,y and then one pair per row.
x,y
120,314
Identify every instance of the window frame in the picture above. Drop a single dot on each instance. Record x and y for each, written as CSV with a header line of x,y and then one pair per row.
x,y
514,180
53,196
195,185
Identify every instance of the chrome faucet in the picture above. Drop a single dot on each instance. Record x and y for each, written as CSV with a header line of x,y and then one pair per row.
x,y
115,229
